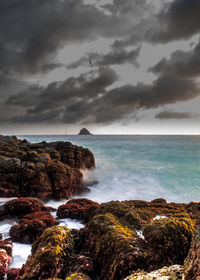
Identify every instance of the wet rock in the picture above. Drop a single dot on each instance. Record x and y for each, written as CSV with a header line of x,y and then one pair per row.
x,y
174,272
31,227
192,262
5,257
168,240
22,206
49,255
159,200
13,274
43,170
113,247
80,209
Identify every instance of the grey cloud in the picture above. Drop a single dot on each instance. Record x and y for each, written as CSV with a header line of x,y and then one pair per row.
x,y
171,114
182,64
116,56
32,31
178,21
84,100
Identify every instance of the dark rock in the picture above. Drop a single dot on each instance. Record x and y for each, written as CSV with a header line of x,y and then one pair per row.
x,y
22,206
80,209
13,274
84,131
31,227
43,170
159,200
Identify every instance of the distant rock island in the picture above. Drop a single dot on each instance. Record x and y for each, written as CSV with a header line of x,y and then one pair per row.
x,y
84,131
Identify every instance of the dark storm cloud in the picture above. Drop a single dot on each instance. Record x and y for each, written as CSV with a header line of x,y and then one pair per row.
x,y
59,95
178,21
170,114
85,99
183,64
32,31
115,56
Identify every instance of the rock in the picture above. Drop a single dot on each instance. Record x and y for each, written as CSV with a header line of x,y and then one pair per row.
x,y
159,200
13,274
31,227
174,272
77,276
80,264
49,255
84,131
80,209
22,206
192,262
5,257
113,247
168,240
43,170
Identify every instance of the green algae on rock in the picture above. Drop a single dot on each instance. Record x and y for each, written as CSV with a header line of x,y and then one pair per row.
x,y
113,247
49,254
174,272
78,276
169,240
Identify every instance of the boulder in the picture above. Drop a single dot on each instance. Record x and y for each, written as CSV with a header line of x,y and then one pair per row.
x,y
22,206
49,255
31,227
168,240
80,209
114,248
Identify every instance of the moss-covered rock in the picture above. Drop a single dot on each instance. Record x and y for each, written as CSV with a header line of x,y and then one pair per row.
x,y
168,240
174,272
49,254
114,247
192,262
78,276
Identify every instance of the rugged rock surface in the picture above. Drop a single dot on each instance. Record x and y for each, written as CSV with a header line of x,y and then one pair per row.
x,y
174,272
23,206
42,170
49,255
5,257
135,238
192,262
31,227
13,274
81,209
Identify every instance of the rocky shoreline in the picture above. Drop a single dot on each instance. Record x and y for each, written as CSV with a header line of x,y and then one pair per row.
x,y
132,240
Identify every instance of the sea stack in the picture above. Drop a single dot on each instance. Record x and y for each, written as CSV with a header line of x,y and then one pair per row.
x,y
84,131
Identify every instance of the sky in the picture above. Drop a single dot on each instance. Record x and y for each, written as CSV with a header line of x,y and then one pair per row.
x,y
112,66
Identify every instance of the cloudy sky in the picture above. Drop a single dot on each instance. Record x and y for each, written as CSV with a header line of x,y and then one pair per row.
x,y
113,66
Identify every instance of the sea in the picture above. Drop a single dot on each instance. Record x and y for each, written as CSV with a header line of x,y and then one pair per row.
x,y
129,167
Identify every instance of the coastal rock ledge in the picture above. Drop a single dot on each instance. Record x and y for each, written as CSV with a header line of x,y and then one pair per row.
x,y
128,240
43,170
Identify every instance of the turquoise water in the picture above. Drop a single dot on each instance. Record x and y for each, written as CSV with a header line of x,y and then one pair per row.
x,y
141,167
